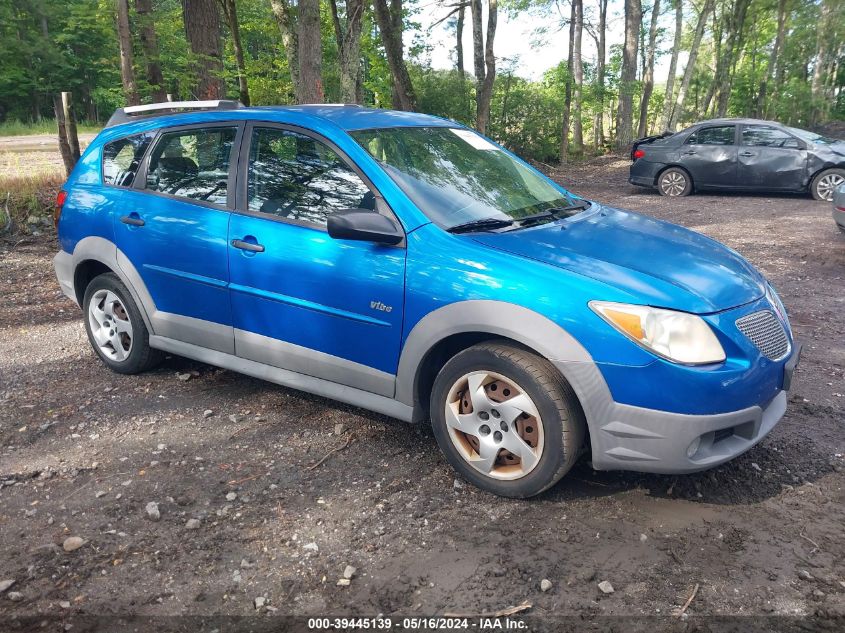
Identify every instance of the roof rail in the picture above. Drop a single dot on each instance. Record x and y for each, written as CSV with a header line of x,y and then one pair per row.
x,y
134,113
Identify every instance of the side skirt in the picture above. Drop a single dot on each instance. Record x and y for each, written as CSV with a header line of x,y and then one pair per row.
x,y
286,378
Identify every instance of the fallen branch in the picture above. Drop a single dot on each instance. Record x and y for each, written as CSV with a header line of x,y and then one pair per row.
x,y
332,452
809,540
688,602
502,613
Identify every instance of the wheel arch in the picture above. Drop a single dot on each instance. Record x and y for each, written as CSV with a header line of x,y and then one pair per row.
x,y
675,166
820,171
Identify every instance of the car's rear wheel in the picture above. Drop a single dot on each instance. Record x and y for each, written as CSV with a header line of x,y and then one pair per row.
x,y
674,182
825,183
115,327
506,420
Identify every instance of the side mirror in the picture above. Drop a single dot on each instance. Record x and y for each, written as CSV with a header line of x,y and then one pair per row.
x,y
364,226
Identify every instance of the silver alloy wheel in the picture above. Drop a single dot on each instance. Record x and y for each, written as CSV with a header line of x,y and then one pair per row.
x,y
673,183
494,425
827,185
110,324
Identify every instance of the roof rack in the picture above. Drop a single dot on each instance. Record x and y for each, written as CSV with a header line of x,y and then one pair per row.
x,y
134,113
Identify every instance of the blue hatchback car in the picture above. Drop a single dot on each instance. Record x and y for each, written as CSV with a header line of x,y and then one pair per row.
x,y
405,264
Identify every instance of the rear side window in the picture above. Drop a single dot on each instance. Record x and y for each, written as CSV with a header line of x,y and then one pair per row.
x,y
297,177
764,136
193,164
722,135
122,157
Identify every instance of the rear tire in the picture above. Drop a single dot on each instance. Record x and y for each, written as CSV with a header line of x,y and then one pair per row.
x,y
115,327
506,420
674,183
825,184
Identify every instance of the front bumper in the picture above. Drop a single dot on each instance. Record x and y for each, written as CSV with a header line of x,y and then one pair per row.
x,y
648,440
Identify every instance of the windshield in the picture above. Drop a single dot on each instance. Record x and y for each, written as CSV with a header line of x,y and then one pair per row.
x,y
812,137
456,176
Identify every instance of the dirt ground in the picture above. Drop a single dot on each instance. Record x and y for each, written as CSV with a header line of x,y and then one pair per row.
x,y
83,451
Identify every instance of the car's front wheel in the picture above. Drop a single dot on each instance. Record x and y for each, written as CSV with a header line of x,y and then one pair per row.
x,y
674,182
825,183
115,327
506,420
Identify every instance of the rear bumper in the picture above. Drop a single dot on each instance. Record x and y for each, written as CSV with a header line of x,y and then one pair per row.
x,y
839,217
63,265
643,172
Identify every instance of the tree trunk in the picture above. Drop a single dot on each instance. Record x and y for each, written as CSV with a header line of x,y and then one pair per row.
x,y
578,76
627,78
348,38
149,45
230,10
124,38
70,126
817,83
64,146
567,97
485,96
668,99
202,30
286,22
648,75
783,13
601,47
459,54
690,67
390,25
310,49
724,71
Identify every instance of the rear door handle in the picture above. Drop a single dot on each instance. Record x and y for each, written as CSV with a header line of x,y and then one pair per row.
x,y
133,219
747,154
689,152
248,246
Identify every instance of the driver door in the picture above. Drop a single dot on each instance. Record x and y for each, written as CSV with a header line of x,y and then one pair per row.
x,y
172,226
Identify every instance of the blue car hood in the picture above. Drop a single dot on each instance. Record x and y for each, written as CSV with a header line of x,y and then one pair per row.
x,y
657,263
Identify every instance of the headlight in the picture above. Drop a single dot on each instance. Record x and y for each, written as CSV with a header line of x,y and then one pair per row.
x,y
676,336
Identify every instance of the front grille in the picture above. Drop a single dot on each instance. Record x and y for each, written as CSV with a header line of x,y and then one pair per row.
x,y
766,332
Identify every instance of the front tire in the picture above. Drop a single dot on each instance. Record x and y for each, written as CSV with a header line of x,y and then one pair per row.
x,y
506,420
825,183
674,183
115,327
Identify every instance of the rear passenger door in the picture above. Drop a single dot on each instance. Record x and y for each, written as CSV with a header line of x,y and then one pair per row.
x,y
302,300
710,155
771,159
173,226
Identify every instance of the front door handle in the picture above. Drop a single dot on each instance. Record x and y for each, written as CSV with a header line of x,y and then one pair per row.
x,y
689,152
133,219
248,246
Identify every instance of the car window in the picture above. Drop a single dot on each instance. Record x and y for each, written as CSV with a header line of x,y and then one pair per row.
x,y
764,136
121,159
721,135
297,177
192,164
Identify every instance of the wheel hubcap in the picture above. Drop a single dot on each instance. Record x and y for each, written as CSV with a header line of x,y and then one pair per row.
x,y
494,425
111,327
828,185
673,183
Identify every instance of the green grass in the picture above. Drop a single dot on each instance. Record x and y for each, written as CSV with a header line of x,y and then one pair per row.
x,y
45,126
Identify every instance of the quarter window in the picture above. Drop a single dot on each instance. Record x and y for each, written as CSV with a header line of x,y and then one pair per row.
x,y
121,159
764,136
722,135
297,177
193,164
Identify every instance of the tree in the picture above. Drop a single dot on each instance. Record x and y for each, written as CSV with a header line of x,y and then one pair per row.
x,y
648,75
230,10
149,46
628,74
690,67
286,21
669,97
485,60
127,70
389,20
601,53
567,98
202,30
822,46
578,76
310,50
762,94
348,36
735,21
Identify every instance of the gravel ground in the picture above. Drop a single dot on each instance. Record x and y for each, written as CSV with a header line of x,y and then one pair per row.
x,y
245,508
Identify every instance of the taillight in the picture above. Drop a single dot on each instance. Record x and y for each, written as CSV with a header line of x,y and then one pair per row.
x,y
638,153
60,202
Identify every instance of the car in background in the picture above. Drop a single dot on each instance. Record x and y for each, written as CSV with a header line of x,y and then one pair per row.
x,y
739,155
839,207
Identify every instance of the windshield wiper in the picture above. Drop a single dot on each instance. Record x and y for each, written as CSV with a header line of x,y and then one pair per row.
x,y
480,225
554,212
